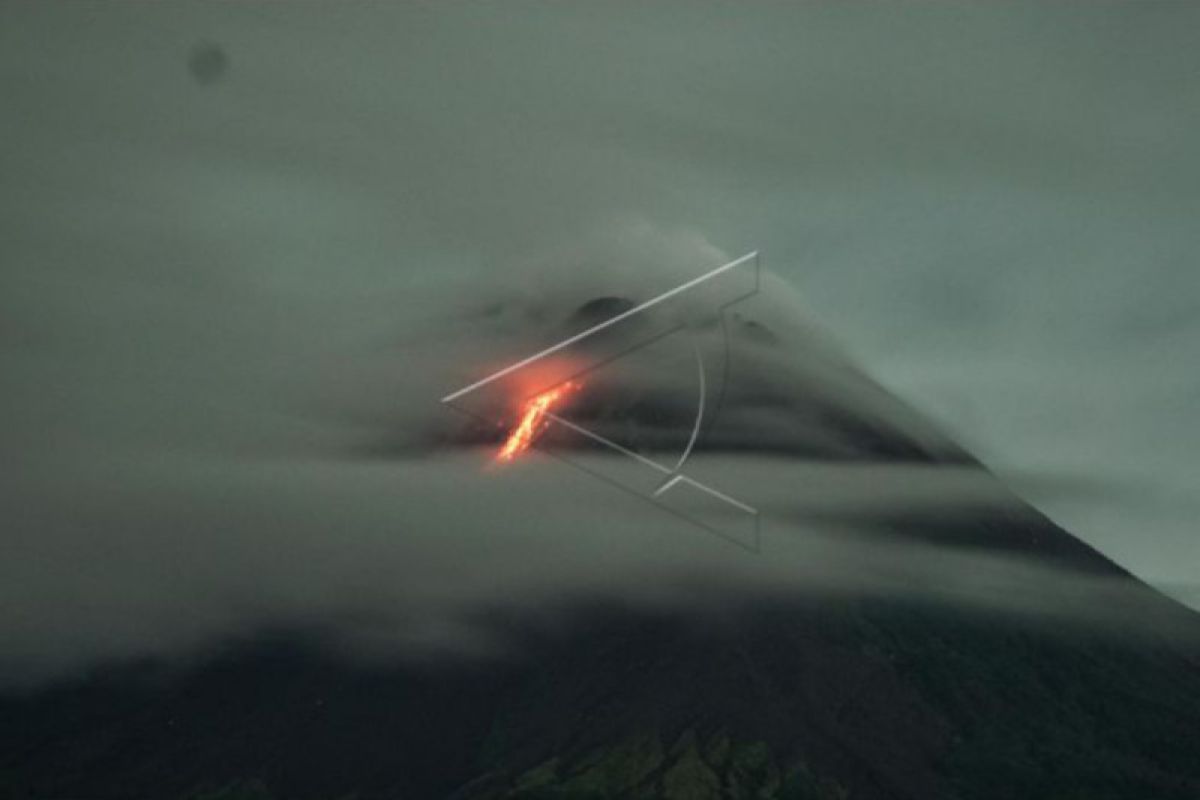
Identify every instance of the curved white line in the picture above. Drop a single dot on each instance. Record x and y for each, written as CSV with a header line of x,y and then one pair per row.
x,y
687,451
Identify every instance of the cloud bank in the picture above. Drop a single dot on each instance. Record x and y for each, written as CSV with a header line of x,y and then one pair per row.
x,y
216,469
228,309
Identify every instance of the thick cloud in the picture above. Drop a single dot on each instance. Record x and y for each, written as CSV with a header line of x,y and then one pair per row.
x,y
217,299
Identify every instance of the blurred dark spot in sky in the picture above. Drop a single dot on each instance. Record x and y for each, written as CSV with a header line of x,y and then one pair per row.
x,y
208,63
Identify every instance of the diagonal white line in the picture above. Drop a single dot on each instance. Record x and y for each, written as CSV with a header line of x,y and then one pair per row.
x,y
653,465
709,489
597,328
608,443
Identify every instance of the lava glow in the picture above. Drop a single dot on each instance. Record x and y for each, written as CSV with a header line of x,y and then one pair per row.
x,y
533,421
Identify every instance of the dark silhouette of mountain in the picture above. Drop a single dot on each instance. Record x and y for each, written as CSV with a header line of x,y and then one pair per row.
x,y
815,698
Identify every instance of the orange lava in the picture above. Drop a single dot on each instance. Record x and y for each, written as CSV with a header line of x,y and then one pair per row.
x,y
533,421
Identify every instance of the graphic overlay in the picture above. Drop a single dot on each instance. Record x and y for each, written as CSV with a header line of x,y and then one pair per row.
x,y
676,333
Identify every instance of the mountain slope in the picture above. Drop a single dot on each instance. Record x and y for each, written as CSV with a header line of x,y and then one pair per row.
x,y
817,698
823,695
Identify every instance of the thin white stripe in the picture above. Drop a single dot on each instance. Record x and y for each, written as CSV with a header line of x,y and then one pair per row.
x,y
597,328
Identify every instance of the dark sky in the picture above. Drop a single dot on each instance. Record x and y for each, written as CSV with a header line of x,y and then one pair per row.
x,y
232,235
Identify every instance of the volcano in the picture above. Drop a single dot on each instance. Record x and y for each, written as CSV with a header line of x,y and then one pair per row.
x,y
813,696
828,699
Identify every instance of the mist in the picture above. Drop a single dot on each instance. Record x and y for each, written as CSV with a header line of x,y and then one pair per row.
x,y
234,288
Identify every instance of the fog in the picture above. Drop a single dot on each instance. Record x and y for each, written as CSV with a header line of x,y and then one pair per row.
x,y
244,249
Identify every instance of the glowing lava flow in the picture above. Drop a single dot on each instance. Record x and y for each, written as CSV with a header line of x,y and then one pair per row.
x,y
533,421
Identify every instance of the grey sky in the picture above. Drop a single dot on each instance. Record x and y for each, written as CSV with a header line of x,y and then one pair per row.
x,y
993,208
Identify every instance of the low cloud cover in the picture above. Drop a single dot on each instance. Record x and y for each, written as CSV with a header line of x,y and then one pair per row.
x,y
229,306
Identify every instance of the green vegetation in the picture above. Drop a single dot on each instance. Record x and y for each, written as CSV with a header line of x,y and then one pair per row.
x,y
693,768
253,789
